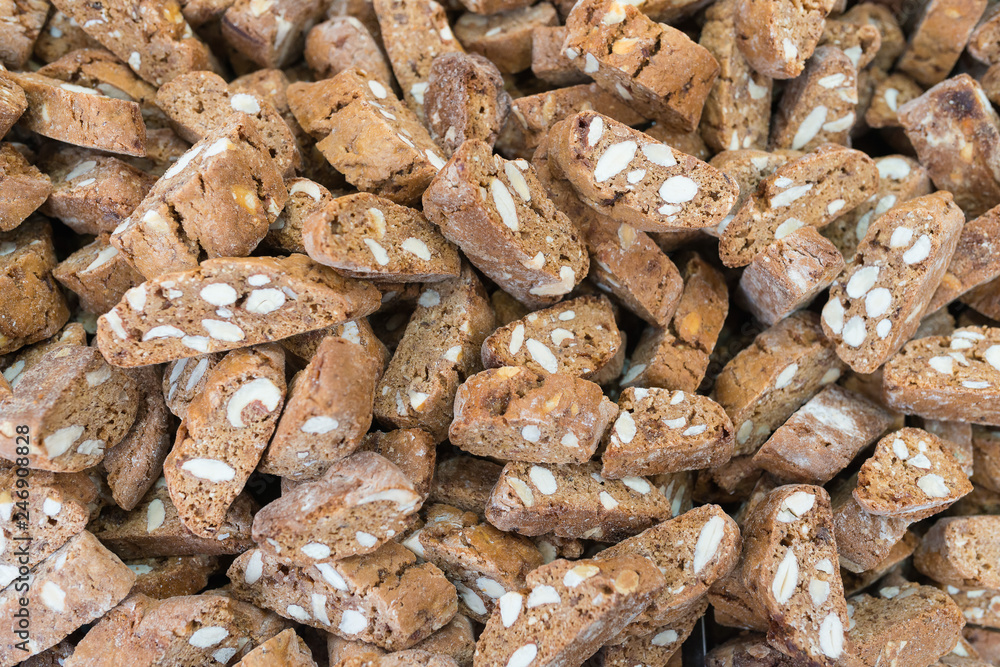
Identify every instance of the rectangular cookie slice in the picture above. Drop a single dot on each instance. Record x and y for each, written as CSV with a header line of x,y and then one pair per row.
x,y
229,303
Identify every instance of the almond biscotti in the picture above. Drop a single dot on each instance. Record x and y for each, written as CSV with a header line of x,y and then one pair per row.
x,y
365,236
328,412
239,406
229,303
574,501
662,431
439,350
544,620
656,69
634,179
384,598
947,377
868,315
498,213
517,414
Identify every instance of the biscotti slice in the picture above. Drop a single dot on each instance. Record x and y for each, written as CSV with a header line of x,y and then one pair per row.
x,y
576,337
766,382
484,563
964,163
224,434
134,464
92,193
13,103
778,36
465,99
184,379
499,214
737,111
329,410
962,552
68,113
864,540
958,439
908,625
465,482
656,69
22,24
29,296
911,475
199,102
901,178
693,551
52,510
217,200
788,274
532,116
342,42
439,350
365,236
359,504
157,44
23,187
790,564
414,33
271,34
163,578
410,449
607,162
277,296
973,263
285,648
74,586
567,611
823,436
748,167
384,598
67,410
154,528
939,38
98,274
573,500
660,431
517,414
206,629
868,316
818,107
677,356
810,191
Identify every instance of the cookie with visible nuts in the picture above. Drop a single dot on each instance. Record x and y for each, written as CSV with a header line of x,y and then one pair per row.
x,y
577,337
573,500
144,327
661,431
365,236
868,316
516,414
625,175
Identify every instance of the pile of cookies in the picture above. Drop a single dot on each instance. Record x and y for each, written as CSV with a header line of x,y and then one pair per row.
x,y
390,333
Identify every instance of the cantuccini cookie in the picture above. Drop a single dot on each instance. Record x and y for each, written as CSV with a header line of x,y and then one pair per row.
x,y
143,327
